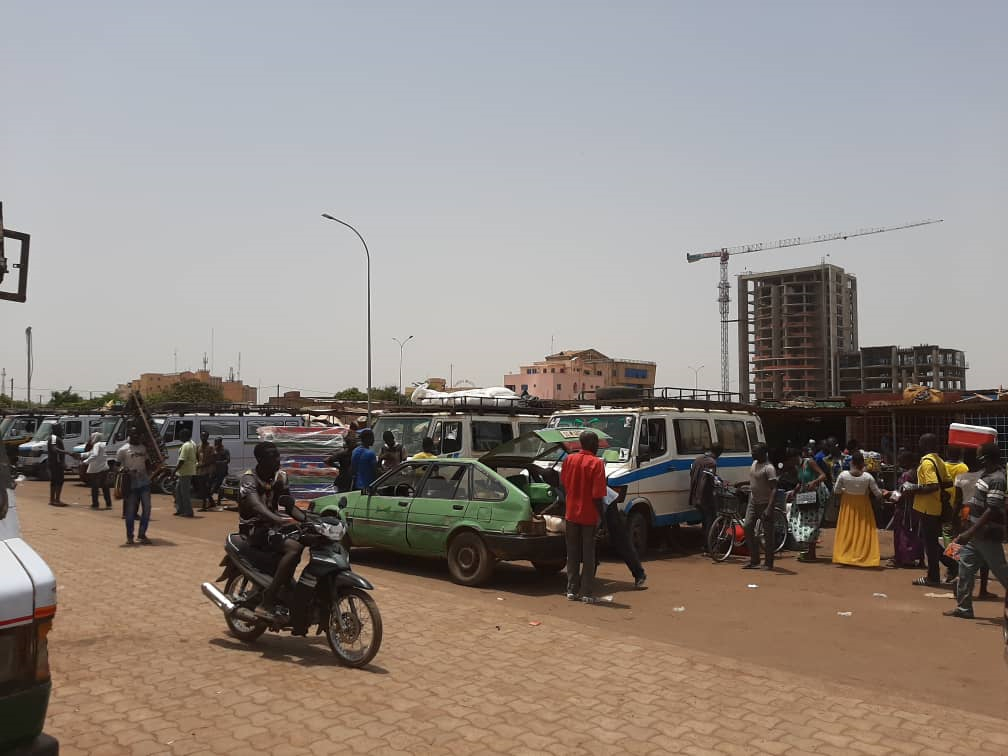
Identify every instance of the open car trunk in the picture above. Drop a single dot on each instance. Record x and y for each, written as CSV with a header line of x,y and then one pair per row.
x,y
531,462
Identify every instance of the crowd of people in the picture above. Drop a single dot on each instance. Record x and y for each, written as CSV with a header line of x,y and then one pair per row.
x,y
935,523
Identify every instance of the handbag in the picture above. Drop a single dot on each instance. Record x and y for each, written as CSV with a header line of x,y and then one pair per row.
x,y
947,515
807,500
120,485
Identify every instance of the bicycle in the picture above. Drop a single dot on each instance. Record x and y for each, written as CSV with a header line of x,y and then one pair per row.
x,y
728,531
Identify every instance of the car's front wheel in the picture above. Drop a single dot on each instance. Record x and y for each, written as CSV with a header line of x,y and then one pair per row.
x,y
469,560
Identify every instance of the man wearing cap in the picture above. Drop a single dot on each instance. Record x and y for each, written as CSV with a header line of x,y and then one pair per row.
x,y
982,541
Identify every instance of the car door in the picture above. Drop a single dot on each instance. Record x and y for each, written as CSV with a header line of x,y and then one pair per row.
x,y
73,434
447,435
438,506
384,516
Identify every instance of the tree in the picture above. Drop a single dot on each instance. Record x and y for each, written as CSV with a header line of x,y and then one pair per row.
x,y
385,394
189,392
65,398
352,394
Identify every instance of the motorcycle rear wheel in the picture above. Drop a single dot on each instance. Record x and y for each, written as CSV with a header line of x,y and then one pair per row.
x,y
354,630
237,588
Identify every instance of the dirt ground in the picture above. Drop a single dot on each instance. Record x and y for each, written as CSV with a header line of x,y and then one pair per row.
x,y
897,645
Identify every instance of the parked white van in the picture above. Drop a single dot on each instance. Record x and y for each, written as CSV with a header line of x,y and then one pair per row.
x,y
456,434
238,432
652,449
33,456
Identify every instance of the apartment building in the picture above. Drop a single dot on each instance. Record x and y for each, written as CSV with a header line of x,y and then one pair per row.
x,y
890,369
571,374
150,384
793,325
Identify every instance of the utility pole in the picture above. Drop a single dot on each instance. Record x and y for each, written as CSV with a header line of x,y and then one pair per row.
x,y
3,379
28,339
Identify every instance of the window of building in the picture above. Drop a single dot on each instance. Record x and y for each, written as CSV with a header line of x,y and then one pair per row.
x,y
524,387
692,436
559,387
635,373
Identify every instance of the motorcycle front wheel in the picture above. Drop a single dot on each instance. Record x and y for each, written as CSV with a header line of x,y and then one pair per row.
x,y
238,589
354,631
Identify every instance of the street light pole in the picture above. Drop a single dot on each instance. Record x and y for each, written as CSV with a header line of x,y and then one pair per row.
x,y
696,376
402,345
368,253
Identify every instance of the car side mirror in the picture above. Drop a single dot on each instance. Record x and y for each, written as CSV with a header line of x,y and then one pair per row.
x,y
643,453
342,503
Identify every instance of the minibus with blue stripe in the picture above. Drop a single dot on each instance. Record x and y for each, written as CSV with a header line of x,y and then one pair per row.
x,y
652,448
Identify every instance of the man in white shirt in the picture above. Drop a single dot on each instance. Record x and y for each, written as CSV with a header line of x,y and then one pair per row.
x,y
97,470
136,465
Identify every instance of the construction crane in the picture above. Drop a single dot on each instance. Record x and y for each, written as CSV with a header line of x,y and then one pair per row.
x,y
724,296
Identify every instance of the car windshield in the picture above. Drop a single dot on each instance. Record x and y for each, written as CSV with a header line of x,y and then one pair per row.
x,y
14,427
620,427
529,446
409,430
44,431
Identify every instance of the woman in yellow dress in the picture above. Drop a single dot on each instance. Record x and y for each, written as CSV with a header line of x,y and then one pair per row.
x,y
856,542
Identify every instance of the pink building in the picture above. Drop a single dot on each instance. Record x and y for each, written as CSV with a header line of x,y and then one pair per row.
x,y
572,373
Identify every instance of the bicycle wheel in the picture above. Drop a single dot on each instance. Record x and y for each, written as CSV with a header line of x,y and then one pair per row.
x,y
781,530
721,538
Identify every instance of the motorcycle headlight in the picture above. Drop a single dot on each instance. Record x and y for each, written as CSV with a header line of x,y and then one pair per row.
x,y
334,532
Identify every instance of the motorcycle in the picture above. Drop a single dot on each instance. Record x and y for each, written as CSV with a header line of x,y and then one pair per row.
x,y
328,594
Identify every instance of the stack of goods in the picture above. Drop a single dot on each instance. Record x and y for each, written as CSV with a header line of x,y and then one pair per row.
x,y
303,455
150,433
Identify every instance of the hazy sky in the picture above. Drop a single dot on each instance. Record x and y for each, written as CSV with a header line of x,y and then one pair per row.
x,y
522,171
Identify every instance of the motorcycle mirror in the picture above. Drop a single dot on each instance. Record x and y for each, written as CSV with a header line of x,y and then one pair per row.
x,y
342,503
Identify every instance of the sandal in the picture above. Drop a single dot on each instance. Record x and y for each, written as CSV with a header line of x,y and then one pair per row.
x,y
923,581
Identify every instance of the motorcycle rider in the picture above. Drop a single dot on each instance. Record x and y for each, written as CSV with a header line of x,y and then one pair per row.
x,y
259,499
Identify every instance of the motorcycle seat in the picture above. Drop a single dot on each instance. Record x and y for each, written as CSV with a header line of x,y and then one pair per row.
x,y
239,545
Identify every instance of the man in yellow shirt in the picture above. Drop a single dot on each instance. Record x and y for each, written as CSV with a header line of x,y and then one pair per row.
x,y
932,476
428,449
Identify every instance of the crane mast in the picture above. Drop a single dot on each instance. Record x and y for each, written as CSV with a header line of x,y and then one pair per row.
x,y
724,289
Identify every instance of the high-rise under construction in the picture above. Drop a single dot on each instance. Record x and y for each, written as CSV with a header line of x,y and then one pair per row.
x,y
793,325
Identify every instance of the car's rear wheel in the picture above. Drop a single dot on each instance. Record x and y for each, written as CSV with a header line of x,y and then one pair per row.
x,y
469,560
638,528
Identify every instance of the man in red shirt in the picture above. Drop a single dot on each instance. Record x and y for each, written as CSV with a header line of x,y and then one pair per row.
x,y
584,482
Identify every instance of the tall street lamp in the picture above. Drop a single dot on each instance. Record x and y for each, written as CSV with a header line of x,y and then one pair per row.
x,y
402,345
696,376
368,253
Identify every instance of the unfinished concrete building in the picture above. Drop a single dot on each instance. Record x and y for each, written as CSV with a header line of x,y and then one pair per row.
x,y
793,325
890,369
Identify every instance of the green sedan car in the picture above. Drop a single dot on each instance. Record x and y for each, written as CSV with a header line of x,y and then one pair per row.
x,y
464,510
